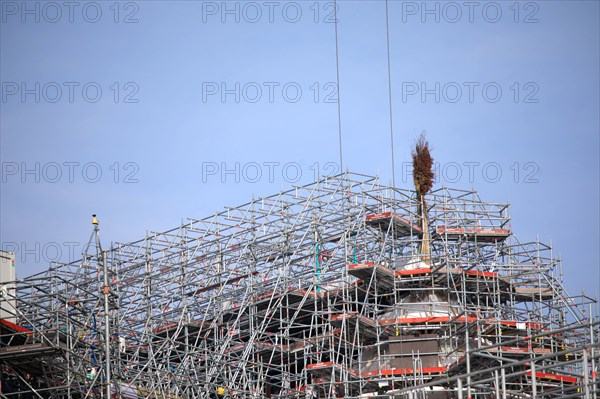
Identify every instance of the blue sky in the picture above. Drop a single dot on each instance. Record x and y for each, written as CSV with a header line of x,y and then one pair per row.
x,y
508,87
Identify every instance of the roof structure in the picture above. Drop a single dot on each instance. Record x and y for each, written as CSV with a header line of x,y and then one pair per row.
x,y
315,292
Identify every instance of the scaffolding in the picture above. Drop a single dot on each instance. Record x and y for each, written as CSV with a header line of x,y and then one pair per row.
x,y
316,292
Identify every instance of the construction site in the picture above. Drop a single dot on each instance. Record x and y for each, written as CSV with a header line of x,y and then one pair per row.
x,y
342,288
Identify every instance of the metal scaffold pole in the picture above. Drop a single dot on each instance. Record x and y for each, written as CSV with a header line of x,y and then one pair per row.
x,y
106,292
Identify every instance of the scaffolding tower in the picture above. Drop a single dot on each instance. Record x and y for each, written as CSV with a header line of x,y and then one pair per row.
x,y
316,292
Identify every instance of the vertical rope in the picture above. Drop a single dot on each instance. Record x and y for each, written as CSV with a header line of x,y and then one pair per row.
x,y
389,70
337,72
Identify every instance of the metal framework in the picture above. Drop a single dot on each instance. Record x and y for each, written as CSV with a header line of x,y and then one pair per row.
x,y
319,291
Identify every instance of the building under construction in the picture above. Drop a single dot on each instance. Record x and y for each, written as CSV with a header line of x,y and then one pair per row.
x,y
336,289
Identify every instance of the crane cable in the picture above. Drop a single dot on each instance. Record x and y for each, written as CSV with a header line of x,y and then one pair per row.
x,y
389,70
337,71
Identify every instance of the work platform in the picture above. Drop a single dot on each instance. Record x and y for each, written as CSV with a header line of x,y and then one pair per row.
x,y
395,224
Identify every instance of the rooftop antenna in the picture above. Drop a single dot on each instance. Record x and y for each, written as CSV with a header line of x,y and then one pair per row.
x,y
101,257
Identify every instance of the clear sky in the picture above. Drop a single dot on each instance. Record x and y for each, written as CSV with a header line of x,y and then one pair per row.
x,y
133,110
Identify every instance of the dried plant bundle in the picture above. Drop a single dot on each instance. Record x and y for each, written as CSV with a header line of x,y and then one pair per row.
x,y
422,166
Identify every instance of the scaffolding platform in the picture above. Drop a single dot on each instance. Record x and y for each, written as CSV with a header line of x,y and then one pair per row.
x,y
27,351
484,235
553,377
399,226
526,294
383,276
